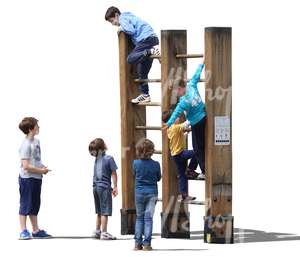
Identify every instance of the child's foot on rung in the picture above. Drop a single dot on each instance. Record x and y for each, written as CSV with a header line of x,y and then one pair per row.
x,y
191,174
186,197
154,51
141,99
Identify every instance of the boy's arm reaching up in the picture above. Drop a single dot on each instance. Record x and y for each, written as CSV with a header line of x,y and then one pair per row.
x,y
194,81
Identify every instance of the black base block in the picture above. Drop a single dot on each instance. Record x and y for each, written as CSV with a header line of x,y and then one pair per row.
x,y
128,221
175,225
218,230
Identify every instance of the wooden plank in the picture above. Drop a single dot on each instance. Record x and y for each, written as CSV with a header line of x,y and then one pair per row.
x,y
148,104
147,80
148,127
218,157
130,117
189,56
172,69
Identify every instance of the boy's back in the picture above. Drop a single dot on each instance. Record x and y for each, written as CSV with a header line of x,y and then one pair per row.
x,y
147,174
135,27
177,138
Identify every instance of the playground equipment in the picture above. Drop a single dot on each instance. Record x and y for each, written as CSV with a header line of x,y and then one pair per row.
x,y
218,219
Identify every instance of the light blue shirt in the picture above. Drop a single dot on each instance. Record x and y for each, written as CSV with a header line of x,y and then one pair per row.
x,y
136,28
191,102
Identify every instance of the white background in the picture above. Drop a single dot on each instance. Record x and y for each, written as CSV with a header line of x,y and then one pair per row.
x,y
59,63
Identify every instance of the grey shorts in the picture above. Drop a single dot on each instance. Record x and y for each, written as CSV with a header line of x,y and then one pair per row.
x,y
103,201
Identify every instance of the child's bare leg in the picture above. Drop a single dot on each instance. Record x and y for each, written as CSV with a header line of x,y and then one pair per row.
x,y
22,219
34,223
104,220
98,222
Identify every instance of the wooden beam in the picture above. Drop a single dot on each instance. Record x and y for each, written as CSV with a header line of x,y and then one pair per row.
x,y
189,56
218,151
149,104
131,116
148,127
172,69
147,80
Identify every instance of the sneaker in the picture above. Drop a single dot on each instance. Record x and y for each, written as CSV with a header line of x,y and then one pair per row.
x,y
41,234
25,235
141,99
154,51
201,176
147,248
107,236
138,247
185,197
96,234
191,174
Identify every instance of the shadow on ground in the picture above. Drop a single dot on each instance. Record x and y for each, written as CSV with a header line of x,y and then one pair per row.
x,y
252,236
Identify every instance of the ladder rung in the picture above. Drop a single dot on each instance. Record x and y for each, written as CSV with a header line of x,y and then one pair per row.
x,y
148,127
149,104
155,56
189,55
147,80
159,80
187,202
157,152
200,80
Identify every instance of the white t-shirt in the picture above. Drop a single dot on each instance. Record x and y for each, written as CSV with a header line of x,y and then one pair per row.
x,y
30,150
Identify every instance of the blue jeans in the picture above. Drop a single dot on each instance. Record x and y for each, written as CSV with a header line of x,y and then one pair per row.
x,y
198,141
145,206
140,57
181,163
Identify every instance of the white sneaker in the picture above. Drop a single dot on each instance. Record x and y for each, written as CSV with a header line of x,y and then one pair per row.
x,y
96,234
107,236
154,51
141,99
201,176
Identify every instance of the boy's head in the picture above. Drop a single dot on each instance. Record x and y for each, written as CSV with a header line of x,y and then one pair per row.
x,y
167,115
144,148
112,15
96,146
29,125
181,87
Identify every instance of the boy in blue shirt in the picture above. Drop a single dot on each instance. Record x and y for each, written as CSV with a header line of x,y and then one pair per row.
x,y
144,39
146,173
30,179
104,170
191,103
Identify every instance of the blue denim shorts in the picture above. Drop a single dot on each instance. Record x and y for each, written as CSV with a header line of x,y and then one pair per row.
x,y
30,196
103,201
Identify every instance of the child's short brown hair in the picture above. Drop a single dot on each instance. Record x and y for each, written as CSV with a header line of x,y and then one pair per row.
x,y
111,12
97,145
27,124
166,115
144,148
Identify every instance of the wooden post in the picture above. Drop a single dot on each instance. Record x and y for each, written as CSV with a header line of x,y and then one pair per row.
x,y
218,218
175,218
131,116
